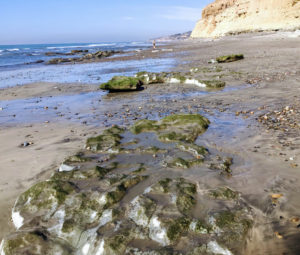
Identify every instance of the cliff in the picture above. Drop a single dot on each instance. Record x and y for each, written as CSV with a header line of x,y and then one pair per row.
x,y
233,16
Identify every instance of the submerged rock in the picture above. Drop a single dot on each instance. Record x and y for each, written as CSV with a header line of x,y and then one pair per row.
x,y
122,83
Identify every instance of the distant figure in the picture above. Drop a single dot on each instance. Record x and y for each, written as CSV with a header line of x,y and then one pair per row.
x,y
154,44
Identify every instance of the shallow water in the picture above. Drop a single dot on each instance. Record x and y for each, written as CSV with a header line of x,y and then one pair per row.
x,y
91,73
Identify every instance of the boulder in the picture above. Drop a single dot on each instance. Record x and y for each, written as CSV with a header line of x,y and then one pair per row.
x,y
122,83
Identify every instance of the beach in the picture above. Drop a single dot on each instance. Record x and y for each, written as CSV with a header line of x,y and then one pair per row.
x,y
44,121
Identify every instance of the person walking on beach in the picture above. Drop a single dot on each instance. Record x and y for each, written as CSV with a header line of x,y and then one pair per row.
x,y
154,44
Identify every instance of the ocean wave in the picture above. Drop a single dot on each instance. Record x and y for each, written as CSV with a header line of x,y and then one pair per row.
x,y
16,49
100,44
64,47
81,46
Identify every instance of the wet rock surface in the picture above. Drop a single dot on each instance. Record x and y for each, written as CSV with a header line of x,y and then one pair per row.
x,y
230,58
116,197
82,56
122,83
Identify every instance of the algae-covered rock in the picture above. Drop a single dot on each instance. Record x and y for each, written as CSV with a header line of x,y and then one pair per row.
x,y
108,141
183,163
230,58
213,83
34,242
122,83
234,225
195,150
186,196
224,166
185,127
107,206
151,78
41,200
77,158
224,193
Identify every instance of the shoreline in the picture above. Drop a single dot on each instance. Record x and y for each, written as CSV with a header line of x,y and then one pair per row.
x,y
262,161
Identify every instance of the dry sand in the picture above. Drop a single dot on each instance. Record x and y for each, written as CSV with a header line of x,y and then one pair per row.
x,y
265,161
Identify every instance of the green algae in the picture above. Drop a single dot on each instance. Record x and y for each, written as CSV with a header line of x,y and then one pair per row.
x,y
230,58
185,198
224,193
33,242
165,184
224,166
202,227
118,242
213,83
151,78
177,228
117,195
144,126
96,172
122,83
179,163
184,164
194,149
189,127
234,225
77,158
42,194
108,141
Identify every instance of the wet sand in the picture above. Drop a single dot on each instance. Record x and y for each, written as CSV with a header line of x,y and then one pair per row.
x,y
266,161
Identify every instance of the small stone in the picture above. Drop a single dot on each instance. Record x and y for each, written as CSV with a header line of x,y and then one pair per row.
x,y
66,168
278,235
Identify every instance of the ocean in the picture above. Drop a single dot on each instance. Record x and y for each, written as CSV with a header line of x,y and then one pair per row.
x,y
20,64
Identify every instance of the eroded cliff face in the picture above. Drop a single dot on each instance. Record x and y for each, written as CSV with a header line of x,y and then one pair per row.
x,y
232,16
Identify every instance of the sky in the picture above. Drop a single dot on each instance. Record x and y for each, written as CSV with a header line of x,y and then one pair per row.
x,y
66,21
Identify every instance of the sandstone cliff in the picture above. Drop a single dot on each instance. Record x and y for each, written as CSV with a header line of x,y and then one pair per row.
x,y
232,16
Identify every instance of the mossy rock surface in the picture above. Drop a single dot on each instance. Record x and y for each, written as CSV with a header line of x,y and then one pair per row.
x,y
122,83
108,141
185,127
35,242
213,83
224,193
108,204
230,58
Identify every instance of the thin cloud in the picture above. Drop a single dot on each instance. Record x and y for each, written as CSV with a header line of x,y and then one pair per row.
x,y
182,13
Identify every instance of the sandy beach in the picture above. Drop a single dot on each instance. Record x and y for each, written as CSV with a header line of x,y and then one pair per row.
x,y
266,154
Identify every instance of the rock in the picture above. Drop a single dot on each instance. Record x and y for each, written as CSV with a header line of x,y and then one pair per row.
x,y
108,141
89,57
175,77
230,58
111,207
228,17
122,83
66,168
213,83
185,127
78,51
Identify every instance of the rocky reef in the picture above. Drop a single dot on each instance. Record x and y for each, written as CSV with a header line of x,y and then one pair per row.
x,y
125,193
119,83
234,16
84,57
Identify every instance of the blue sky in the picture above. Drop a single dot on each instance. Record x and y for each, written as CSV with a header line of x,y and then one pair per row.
x,y
58,21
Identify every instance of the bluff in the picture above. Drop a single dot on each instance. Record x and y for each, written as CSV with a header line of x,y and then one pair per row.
x,y
233,16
